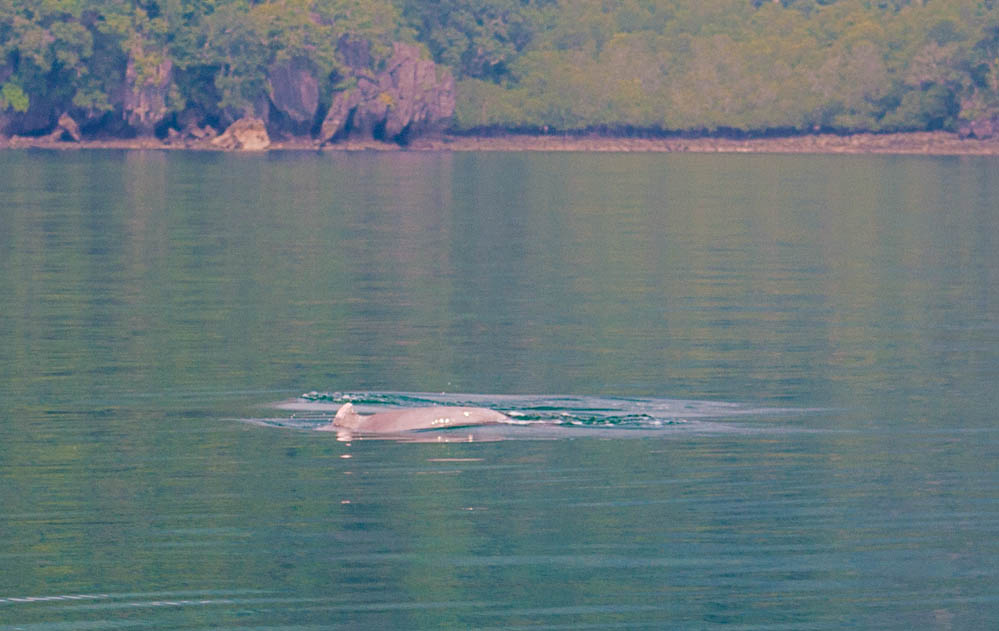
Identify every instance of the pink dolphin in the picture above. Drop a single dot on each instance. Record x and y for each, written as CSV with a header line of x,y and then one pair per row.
x,y
409,419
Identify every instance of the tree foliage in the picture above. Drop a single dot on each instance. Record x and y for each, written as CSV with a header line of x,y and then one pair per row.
x,y
82,54
804,65
751,65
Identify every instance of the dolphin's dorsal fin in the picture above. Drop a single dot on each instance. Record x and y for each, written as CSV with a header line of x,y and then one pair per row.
x,y
347,416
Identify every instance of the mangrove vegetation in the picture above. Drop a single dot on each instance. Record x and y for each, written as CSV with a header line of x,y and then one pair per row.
x,y
328,68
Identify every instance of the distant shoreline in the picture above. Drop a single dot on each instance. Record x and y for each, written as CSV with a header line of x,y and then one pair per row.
x,y
909,143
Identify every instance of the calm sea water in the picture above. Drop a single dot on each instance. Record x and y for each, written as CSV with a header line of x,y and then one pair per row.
x,y
759,392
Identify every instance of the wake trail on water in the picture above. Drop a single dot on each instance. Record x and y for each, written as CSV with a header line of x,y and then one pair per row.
x,y
539,416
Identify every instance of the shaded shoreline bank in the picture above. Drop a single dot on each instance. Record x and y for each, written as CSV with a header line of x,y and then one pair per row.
x,y
909,143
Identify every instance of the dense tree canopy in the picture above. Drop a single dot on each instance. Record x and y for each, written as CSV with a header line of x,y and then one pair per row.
x,y
208,56
728,64
796,65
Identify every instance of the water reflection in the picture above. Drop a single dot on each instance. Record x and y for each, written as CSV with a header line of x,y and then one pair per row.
x,y
150,299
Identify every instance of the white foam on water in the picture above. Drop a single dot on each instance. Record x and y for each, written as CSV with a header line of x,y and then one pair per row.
x,y
535,417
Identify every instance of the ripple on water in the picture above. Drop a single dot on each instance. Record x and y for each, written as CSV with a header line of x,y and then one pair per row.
x,y
541,416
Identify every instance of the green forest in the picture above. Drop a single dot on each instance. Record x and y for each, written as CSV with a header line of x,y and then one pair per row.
x,y
614,66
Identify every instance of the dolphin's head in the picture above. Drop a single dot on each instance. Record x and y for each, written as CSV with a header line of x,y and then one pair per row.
x,y
347,417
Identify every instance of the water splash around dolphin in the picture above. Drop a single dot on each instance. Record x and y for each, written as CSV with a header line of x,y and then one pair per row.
x,y
532,417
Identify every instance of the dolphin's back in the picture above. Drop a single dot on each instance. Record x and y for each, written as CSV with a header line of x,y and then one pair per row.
x,y
437,417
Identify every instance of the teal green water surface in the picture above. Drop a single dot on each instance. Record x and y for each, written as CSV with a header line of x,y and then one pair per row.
x,y
787,367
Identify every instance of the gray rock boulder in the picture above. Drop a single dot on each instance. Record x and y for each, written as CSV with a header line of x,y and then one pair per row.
x,y
66,127
246,134
294,91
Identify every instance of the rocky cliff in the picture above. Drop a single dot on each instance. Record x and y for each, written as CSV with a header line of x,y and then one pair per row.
x,y
144,95
410,97
393,100
293,91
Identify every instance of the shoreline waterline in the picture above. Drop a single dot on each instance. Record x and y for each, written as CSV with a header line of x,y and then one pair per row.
x,y
906,143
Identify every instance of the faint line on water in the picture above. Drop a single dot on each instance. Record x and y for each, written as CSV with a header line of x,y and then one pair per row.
x,y
9,600
38,599
461,604
552,627
577,561
346,607
125,397
79,625
152,604
582,609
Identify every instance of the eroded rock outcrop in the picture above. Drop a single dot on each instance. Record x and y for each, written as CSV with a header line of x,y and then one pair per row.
x,y
144,103
190,125
340,115
67,129
981,128
294,92
412,96
246,134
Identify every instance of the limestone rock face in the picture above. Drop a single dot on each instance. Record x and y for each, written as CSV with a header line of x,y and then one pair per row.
x,y
412,96
294,90
420,101
41,117
246,134
189,121
144,104
981,128
339,114
66,126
